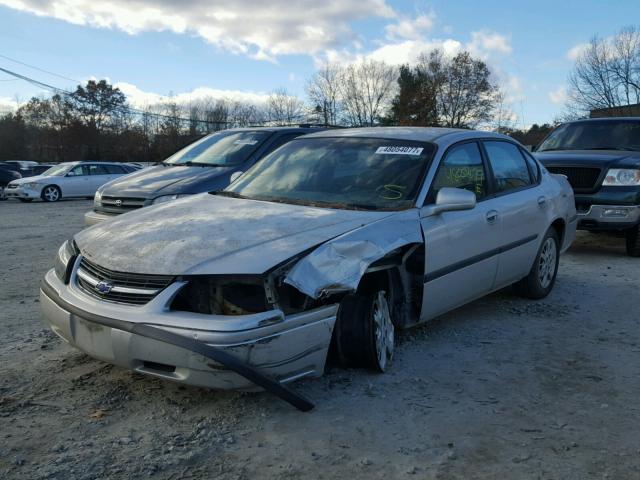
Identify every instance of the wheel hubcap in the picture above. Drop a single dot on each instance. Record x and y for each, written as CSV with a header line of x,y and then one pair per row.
x,y
547,264
384,331
51,194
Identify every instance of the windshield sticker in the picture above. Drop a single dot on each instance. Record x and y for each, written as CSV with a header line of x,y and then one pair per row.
x,y
399,150
245,142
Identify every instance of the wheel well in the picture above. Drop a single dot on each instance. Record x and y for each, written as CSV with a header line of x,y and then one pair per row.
x,y
559,227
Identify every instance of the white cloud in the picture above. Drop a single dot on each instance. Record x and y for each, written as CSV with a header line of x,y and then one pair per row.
x,y
140,98
7,105
577,50
410,28
409,50
485,43
256,28
558,96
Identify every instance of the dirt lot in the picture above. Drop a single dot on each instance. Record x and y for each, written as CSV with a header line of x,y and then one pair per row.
x,y
502,388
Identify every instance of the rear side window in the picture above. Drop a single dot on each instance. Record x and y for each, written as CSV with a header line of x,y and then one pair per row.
x,y
114,169
462,167
509,167
534,170
97,170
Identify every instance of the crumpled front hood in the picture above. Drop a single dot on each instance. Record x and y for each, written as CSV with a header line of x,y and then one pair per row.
x,y
210,234
163,180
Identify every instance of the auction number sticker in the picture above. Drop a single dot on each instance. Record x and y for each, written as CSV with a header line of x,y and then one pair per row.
x,y
245,142
399,150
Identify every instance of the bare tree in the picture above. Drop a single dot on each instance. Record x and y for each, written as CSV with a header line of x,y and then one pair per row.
x,y
607,73
366,89
323,92
283,108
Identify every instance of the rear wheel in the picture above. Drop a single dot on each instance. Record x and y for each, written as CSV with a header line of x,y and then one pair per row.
x,y
364,332
633,242
51,193
542,276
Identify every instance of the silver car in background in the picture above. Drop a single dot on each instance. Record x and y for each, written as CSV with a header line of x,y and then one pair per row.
x,y
322,249
67,180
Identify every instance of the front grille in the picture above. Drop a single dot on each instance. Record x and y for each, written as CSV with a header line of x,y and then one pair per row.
x,y
121,204
580,178
130,288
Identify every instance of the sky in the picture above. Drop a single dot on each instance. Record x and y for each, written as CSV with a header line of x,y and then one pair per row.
x,y
246,48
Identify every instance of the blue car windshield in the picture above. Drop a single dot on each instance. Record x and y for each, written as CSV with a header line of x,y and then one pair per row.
x,y
594,135
221,149
338,172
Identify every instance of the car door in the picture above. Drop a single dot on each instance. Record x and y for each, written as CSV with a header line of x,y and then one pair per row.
x,y
461,247
75,182
98,176
521,205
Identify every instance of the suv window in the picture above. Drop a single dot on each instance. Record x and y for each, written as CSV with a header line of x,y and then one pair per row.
x,y
462,167
509,167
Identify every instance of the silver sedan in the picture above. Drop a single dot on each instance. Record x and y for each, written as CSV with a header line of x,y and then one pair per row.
x,y
323,249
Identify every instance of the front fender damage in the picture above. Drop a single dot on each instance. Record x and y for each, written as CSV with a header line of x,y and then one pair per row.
x,y
339,264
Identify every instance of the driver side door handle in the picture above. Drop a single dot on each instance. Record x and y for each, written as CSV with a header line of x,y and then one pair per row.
x,y
492,216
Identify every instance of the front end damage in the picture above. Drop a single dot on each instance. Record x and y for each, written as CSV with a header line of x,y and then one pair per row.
x,y
232,331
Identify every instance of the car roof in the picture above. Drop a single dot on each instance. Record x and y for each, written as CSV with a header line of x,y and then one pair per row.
x,y
285,129
420,134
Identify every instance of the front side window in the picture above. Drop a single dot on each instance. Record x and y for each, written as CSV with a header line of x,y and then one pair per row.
x,y
220,149
356,173
509,167
77,171
594,135
462,167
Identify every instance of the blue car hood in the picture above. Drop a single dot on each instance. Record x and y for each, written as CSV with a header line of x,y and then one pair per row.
x,y
166,180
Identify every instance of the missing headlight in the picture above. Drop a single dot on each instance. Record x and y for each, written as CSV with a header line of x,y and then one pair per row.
x,y
222,296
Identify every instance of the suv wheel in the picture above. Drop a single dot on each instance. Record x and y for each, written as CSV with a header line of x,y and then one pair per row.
x,y
542,276
633,242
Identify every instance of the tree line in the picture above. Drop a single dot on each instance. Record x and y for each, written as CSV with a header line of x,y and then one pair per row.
x,y
96,122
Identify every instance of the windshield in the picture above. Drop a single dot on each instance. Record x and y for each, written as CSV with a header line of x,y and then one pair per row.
x,y
594,135
360,173
56,171
220,149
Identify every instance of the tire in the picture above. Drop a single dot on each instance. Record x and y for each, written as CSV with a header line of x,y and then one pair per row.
x,y
633,242
2,194
542,276
364,335
26,200
51,193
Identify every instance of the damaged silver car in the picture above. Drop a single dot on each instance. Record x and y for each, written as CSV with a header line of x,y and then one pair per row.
x,y
323,249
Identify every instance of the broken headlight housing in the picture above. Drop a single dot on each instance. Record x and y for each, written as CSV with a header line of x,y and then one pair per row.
x,y
65,259
97,199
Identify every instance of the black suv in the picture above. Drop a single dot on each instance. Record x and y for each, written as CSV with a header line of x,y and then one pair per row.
x,y
208,164
601,159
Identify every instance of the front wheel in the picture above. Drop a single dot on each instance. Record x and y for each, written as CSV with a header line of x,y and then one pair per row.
x,y
51,193
364,332
633,242
543,274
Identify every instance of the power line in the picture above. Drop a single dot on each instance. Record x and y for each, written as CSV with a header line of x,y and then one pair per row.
x,y
39,69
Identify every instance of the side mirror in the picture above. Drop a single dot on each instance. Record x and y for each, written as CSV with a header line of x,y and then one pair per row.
x,y
450,200
235,176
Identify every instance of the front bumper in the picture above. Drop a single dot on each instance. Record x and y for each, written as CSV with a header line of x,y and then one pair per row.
x,y
22,192
608,217
284,348
93,217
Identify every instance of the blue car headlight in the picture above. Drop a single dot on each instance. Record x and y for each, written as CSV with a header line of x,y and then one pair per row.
x,y
65,259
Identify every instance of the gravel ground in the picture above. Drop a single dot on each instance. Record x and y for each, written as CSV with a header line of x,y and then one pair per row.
x,y
502,388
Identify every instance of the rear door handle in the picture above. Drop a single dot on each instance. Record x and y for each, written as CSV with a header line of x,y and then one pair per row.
x,y
542,201
492,216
